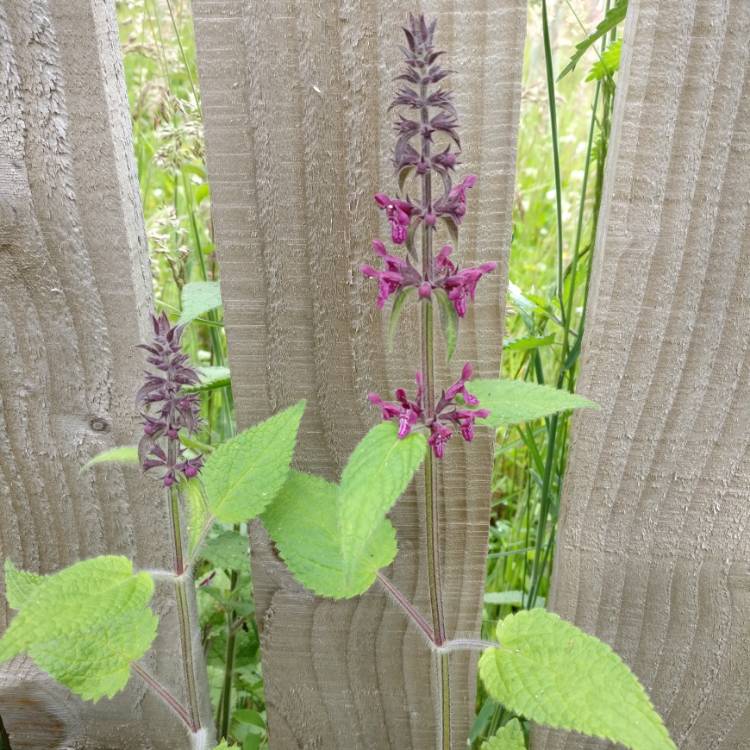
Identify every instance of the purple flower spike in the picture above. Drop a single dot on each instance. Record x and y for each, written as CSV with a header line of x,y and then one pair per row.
x,y
399,215
166,409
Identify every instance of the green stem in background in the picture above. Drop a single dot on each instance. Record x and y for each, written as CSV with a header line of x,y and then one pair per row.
x,y
555,158
4,739
225,705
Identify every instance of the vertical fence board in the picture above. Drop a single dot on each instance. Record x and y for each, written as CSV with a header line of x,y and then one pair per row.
x,y
654,554
74,298
298,139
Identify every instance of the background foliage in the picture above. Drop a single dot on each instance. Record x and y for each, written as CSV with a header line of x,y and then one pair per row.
x,y
554,223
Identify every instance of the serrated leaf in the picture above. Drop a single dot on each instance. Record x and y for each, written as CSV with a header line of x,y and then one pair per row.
x,y
211,378
19,584
334,539
199,297
396,310
508,737
226,550
122,454
448,322
609,63
225,746
616,14
243,475
550,671
514,401
84,625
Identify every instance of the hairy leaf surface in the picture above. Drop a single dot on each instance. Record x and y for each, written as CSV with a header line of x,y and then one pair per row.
x,y
553,673
243,475
333,538
514,401
508,737
83,625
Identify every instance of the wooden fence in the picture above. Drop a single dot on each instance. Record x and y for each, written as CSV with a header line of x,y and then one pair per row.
x,y
653,554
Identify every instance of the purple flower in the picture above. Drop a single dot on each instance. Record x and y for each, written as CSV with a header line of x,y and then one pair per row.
x,y
463,285
398,274
399,215
443,421
453,205
459,285
167,409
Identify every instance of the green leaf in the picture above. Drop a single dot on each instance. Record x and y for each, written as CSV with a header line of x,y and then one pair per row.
x,y
609,63
224,746
122,454
526,343
83,625
448,322
334,539
199,297
197,512
19,584
226,550
616,14
210,379
243,475
396,310
553,673
508,737
510,598
514,401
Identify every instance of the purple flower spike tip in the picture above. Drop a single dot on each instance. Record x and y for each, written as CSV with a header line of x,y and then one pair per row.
x,y
167,409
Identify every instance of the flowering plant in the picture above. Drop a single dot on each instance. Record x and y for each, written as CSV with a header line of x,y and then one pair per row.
x,y
541,667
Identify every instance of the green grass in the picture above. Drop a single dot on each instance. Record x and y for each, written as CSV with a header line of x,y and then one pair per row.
x,y
554,221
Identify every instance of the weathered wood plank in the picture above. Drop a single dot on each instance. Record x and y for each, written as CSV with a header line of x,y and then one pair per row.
x,y
653,547
298,139
75,293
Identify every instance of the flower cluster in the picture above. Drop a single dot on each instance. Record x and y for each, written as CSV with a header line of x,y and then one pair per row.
x,y
443,420
459,284
166,410
415,153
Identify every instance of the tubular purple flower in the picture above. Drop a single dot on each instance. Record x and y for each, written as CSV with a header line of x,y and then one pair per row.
x,y
446,418
167,409
399,215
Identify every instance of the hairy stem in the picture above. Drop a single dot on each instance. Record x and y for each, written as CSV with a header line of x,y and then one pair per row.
x,y
182,580
167,698
432,520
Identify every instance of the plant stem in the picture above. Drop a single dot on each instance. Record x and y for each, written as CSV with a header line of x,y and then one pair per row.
x,y
179,710
432,520
555,157
226,691
182,580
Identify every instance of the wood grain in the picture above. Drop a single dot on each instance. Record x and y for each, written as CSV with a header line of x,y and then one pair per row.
x,y
298,140
654,553
75,293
